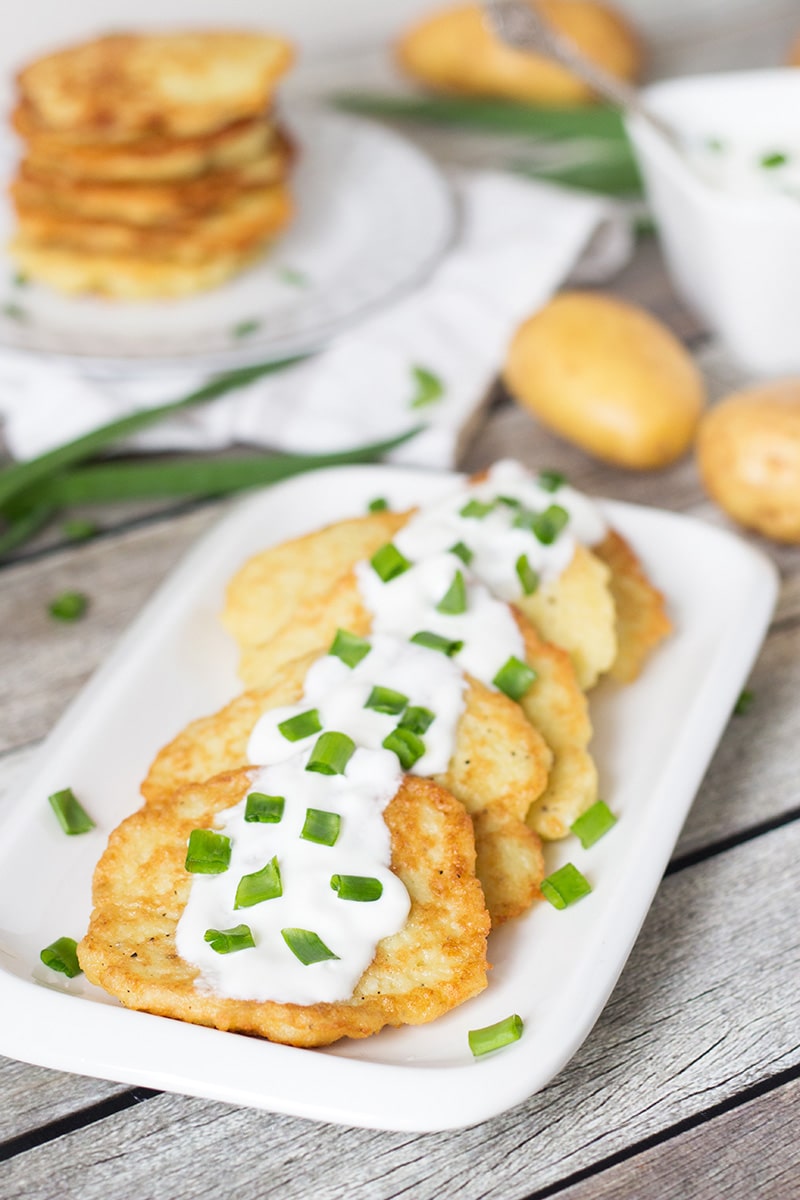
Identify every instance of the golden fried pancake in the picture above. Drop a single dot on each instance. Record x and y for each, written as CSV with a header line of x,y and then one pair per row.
x,y
437,961
177,84
455,51
642,621
499,763
161,203
147,158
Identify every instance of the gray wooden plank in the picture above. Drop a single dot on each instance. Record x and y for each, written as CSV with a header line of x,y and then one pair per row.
x,y
35,1096
685,1030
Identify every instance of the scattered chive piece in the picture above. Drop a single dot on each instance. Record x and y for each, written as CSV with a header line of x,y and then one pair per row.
x,y
385,700
331,754
406,745
294,729
551,481
433,641
266,810
455,598
321,827
293,276
429,387
591,825
208,853
245,328
463,552
514,678
15,312
565,886
228,941
745,702
357,887
62,955
79,530
388,562
774,160
528,578
494,1037
260,885
69,606
307,946
417,719
72,817
508,501
477,509
547,525
349,648
379,504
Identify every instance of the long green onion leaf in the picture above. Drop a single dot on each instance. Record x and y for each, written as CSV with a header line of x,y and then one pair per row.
x,y
331,754
357,887
62,955
22,528
208,852
494,1037
72,816
307,946
258,886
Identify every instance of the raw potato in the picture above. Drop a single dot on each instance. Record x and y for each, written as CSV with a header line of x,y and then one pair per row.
x,y
454,51
608,377
748,451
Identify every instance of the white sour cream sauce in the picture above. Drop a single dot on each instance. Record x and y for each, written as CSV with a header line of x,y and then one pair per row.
x,y
429,678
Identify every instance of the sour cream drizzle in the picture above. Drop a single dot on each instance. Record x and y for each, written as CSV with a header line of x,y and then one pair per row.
x,y
427,678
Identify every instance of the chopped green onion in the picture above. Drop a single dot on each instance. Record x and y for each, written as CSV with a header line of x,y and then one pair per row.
x,y
406,745
208,853
69,606
463,552
379,504
494,1037
432,641
774,160
266,810
78,530
265,884
547,525
478,509
228,941
591,825
307,946
565,886
388,562
245,328
514,678
331,754
745,702
454,600
508,501
429,387
357,887
294,277
62,955
529,579
417,719
551,481
385,700
321,827
294,729
72,817
15,312
349,648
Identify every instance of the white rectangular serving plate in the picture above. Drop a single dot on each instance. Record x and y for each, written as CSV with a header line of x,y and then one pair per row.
x,y
653,741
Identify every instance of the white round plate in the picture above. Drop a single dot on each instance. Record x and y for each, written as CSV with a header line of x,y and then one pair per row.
x,y
374,216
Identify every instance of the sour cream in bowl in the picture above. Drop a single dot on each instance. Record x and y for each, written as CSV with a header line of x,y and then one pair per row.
x,y
727,206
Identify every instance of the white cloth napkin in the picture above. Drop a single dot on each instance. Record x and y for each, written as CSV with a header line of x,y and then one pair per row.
x,y
518,241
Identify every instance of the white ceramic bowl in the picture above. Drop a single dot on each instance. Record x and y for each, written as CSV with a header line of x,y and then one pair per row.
x,y
734,257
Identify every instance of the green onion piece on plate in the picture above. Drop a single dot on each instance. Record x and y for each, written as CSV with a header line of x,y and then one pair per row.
x,y
463,552
454,601
565,886
514,678
266,810
228,941
494,1037
349,648
208,852
529,579
477,509
321,827
331,754
385,700
294,729
71,814
62,955
265,884
406,745
68,606
379,504
307,946
591,825
433,641
357,887
388,562
551,481
417,719
774,160
429,387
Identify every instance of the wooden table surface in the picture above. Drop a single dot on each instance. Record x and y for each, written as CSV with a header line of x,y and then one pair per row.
x,y
689,1084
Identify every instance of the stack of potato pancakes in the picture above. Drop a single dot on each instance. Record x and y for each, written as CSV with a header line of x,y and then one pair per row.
x,y
153,165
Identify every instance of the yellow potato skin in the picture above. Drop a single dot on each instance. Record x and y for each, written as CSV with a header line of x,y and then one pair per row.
x,y
454,51
748,452
608,377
